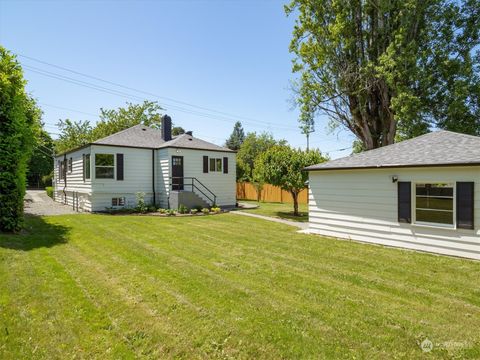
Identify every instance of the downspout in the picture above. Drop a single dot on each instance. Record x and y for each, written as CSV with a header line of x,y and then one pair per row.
x,y
153,178
64,173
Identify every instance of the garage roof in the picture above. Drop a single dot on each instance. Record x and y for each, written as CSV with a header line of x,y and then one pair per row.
x,y
439,148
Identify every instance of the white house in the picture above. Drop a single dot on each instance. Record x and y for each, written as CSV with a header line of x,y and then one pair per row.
x,y
420,194
109,172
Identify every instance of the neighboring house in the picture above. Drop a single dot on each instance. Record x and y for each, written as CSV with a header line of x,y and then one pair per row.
x,y
109,172
422,194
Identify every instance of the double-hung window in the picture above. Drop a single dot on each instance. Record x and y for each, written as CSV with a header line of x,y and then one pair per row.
x,y
434,204
215,165
104,166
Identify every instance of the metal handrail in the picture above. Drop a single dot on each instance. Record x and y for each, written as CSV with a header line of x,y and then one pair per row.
x,y
193,180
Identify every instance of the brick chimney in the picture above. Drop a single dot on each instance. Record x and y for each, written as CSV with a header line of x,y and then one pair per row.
x,y
166,128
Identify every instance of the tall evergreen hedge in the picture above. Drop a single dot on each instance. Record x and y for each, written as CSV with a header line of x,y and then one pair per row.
x,y
19,125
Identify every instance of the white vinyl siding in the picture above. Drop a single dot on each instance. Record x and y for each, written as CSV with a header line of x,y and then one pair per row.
x,y
78,192
97,193
221,184
362,205
137,177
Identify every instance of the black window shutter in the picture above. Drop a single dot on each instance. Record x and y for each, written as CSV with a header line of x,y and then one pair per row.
x,y
83,166
205,164
225,165
404,202
465,205
119,166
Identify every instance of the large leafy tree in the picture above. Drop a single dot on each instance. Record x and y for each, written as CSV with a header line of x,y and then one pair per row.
x,y
253,145
40,166
73,133
383,68
19,128
115,120
237,137
283,166
77,133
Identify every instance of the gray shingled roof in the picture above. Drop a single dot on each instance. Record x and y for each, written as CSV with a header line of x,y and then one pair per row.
x,y
138,136
146,137
190,142
432,149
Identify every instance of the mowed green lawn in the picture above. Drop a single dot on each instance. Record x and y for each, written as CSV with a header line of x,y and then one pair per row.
x,y
225,286
279,210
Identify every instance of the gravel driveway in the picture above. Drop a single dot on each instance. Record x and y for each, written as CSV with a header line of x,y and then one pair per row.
x,y
37,202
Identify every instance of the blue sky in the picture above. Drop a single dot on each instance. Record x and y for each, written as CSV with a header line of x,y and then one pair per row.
x,y
230,57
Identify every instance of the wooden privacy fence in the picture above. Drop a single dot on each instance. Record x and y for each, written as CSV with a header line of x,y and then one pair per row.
x,y
270,193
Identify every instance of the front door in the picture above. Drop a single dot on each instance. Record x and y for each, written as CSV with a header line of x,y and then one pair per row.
x,y
177,172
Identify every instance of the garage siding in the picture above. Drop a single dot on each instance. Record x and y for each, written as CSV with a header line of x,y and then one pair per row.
x,y
362,205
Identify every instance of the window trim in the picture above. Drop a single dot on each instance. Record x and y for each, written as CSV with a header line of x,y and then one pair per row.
x,y
87,166
104,166
432,224
217,165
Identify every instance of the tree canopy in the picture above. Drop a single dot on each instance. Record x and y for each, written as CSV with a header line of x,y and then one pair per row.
x,y
77,133
19,129
237,137
252,147
40,166
283,166
178,130
385,68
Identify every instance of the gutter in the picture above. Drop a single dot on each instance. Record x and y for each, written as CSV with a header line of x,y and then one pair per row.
x,y
392,166
65,165
153,177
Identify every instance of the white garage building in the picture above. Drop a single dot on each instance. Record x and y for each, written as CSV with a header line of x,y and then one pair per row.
x,y
420,194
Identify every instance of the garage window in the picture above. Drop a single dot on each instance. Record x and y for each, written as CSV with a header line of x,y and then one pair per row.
x,y
434,204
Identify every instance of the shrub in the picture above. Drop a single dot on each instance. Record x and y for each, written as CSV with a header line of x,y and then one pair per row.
x,y
170,212
152,208
182,209
198,208
215,210
141,206
206,211
162,211
193,211
49,191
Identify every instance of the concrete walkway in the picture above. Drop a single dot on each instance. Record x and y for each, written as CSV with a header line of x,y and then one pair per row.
x,y
37,202
300,225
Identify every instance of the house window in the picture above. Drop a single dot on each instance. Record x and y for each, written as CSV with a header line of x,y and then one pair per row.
x,y
70,161
215,165
120,201
104,166
86,166
62,170
434,204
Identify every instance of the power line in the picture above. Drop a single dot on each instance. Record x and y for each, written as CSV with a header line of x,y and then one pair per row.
x,y
68,109
139,91
132,97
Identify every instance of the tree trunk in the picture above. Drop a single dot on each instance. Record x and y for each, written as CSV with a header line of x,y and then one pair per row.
x,y
295,203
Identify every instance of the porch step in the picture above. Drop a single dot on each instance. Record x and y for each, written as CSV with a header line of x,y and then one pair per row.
x,y
187,198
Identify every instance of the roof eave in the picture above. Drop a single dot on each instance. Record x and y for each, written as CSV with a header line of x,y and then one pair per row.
x,y
392,166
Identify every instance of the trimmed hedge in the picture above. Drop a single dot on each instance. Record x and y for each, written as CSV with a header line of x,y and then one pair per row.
x,y
19,124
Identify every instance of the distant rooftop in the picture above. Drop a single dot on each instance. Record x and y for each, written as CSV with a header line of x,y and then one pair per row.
x,y
142,136
432,149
